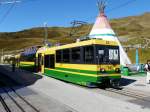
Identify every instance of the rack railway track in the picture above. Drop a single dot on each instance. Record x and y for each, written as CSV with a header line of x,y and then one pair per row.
x,y
131,93
11,100
4,104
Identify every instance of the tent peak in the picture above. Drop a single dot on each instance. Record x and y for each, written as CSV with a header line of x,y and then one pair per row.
x,y
101,6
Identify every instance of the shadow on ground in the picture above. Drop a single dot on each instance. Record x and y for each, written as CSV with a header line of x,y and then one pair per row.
x,y
125,81
143,103
16,80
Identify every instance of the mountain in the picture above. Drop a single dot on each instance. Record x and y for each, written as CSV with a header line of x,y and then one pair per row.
x,y
131,30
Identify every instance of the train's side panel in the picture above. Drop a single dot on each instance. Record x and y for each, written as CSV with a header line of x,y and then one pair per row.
x,y
74,77
80,73
30,66
86,68
82,68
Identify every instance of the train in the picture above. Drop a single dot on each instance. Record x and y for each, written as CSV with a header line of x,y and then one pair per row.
x,y
27,59
90,62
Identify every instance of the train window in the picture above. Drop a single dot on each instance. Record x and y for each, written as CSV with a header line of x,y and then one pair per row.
x,y
88,54
58,56
113,54
29,58
52,61
107,54
47,61
66,56
75,55
101,56
101,52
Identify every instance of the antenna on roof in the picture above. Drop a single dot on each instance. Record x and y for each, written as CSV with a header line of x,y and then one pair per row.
x,y
76,25
101,4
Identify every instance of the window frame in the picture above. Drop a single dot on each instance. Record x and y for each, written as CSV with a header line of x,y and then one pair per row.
x,y
106,54
28,58
95,55
93,52
61,58
81,55
63,55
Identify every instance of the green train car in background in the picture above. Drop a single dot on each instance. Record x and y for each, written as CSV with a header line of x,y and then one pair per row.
x,y
26,59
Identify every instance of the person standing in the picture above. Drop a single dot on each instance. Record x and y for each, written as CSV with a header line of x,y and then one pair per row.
x,y
147,67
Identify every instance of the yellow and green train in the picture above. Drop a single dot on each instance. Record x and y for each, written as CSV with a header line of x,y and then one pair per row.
x,y
26,59
88,63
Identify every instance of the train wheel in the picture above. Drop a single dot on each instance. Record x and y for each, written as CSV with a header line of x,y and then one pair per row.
x,y
105,84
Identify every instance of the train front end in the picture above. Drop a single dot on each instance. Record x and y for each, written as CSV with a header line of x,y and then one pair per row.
x,y
108,64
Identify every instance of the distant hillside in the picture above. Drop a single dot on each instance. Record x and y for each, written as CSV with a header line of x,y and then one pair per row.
x,y
134,30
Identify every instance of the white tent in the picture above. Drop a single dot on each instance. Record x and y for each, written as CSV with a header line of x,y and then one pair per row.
x,y
103,30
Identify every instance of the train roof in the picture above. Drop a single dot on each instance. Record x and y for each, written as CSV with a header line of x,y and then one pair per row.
x,y
88,42
77,44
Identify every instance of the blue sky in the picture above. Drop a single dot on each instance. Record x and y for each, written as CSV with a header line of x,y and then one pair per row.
x,y
33,13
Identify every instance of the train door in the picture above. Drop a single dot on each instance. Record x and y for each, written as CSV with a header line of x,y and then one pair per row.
x,y
42,66
49,61
41,63
52,61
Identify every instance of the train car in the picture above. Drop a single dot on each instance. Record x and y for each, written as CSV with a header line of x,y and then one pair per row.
x,y
27,59
89,63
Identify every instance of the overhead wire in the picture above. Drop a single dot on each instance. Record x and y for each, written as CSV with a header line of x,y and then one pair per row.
x,y
112,9
121,5
7,12
9,2
13,2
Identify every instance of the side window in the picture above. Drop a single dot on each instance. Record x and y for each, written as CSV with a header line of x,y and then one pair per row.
x,y
66,56
75,56
46,61
30,58
58,56
88,54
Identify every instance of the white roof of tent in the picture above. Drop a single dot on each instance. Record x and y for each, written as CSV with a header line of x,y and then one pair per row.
x,y
103,30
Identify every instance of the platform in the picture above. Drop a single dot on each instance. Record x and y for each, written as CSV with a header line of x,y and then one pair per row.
x,y
137,82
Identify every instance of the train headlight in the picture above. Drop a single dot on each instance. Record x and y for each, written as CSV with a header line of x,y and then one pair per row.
x,y
117,70
102,70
